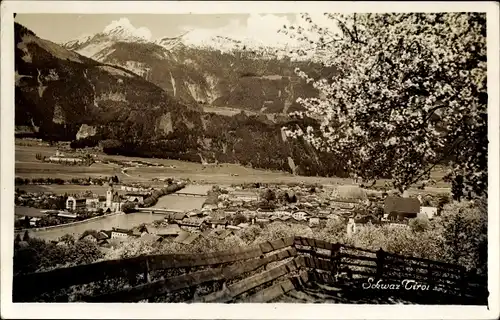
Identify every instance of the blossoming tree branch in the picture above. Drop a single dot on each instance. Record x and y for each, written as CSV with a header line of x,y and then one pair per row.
x,y
409,93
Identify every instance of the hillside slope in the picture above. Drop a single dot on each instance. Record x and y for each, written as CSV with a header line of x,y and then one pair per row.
x,y
58,90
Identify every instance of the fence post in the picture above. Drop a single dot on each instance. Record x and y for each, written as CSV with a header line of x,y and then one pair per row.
x,y
147,276
335,257
429,274
380,263
463,281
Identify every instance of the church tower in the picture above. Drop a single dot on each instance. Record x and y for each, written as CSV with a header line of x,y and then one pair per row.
x,y
109,196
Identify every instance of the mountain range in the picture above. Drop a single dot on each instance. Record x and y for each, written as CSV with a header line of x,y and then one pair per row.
x,y
218,73
61,94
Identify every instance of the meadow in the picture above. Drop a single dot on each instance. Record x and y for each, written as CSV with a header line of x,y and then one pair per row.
x,y
27,166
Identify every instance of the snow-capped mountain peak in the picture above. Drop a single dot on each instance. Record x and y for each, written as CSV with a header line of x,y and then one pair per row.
x,y
81,39
123,30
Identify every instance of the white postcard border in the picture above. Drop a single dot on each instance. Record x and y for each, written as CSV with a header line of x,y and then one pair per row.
x,y
242,311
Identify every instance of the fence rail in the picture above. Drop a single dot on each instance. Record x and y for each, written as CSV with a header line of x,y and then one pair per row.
x,y
251,268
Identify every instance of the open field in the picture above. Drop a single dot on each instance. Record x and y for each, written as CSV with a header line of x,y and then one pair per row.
x,y
28,211
224,174
27,166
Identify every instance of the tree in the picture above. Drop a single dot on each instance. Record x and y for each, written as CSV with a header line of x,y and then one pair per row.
x,y
466,233
26,236
67,239
128,207
239,218
26,222
409,93
419,224
269,195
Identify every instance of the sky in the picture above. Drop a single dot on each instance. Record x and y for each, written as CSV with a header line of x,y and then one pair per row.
x,y
61,28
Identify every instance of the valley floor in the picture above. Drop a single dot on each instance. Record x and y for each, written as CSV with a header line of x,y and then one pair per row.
x,y
27,166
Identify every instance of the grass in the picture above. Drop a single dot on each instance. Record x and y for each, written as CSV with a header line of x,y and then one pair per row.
x,y
28,167
28,211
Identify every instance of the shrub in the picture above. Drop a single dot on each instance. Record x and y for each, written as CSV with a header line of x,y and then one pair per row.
x,y
39,255
419,224
334,230
268,195
239,218
277,230
248,235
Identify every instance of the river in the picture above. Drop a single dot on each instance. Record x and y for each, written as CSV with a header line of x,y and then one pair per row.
x,y
128,221
125,221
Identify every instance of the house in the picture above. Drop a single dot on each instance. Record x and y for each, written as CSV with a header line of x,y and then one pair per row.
x,y
151,237
313,221
218,224
300,215
282,213
75,204
90,237
67,215
222,234
191,226
186,238
96,202
34,221
342,205
179,216
364,219
96,237
430,212
397,208
262,220
194,213
135,197
135,232
172,230
118,233
209,206
307,204
242,225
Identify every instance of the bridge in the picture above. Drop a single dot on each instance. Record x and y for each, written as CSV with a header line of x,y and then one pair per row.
x,y
187,194
159,210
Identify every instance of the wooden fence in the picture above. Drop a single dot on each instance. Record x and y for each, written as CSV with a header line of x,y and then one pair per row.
x,y
258,273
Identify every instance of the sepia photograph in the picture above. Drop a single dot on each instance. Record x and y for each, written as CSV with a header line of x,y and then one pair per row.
x,y
298,158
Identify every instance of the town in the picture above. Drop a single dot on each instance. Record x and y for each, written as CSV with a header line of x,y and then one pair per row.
x,y
225,209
